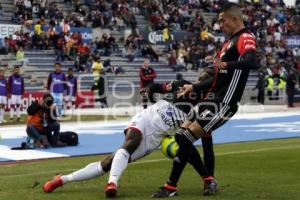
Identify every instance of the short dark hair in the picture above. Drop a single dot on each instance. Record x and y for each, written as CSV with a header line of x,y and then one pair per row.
x,y
234,10
229,6
70,69
57,64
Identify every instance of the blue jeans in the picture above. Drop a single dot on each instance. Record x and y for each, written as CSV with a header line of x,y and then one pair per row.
x,y
33,132
51,131
58,100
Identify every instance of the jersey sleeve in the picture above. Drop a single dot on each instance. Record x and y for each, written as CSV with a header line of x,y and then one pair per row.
x,y
246,43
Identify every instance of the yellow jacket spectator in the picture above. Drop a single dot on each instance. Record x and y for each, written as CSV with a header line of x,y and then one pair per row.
x,y
204,34
96,68
38,28
166,34
20,54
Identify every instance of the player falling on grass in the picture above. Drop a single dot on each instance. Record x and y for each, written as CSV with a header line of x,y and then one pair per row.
x,y
143,135
232,67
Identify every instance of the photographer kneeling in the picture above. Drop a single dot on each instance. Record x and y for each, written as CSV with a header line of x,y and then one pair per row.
x,y
42,121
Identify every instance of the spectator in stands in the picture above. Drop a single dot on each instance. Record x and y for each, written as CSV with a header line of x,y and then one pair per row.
x,y
12,45
129,52
83,52
56,87
290,87
148,52
172,59
70,42
260,86
60,48
4,46
71,90
1,11
3,94
97,67
147,75
99,88
42,121
16,93
20,54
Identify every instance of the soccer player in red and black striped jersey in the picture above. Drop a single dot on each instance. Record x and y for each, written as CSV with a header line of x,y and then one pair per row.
x,y
232,66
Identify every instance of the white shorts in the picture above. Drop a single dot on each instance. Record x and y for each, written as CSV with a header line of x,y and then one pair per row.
x,y
3,100
150,141
16,99
69,98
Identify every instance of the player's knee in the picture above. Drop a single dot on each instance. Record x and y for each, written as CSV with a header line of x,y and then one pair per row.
x,y
106,163
183,137
123,152
133,140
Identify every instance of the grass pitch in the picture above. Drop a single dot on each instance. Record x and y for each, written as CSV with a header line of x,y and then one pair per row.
x,y
254,170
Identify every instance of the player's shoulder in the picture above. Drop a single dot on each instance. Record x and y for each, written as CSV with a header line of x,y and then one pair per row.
x,y
247,34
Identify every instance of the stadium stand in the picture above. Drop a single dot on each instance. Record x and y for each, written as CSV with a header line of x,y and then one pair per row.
x,y
271,22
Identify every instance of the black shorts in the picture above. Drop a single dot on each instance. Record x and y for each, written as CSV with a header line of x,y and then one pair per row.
x,y
211,115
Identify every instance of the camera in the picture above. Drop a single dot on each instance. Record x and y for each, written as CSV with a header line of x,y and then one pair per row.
x,y
48,101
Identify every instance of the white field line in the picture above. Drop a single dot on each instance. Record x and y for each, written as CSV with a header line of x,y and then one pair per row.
x,y
156,160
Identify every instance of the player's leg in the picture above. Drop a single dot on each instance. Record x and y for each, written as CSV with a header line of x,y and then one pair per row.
x,y
1,112
208,152
120,161
3,102
90,171
73,105
12,106
185,137
60,107
18,107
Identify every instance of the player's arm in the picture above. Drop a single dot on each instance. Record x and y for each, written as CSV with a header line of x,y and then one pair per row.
x,y
248,61
49,81
75,86
246,47
202,85
23,87
9,85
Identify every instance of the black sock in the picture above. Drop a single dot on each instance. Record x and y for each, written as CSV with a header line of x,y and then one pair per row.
x,y
182,156
209,156
196,161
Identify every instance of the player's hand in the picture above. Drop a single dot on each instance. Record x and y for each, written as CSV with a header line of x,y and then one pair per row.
x,y
219,64
208,59
186,89
169,87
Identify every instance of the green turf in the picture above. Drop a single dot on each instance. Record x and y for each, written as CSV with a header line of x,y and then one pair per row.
x,y
266,170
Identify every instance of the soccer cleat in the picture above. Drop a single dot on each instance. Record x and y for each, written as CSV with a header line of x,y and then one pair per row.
x,y
165,191
210,186
50,186
111,190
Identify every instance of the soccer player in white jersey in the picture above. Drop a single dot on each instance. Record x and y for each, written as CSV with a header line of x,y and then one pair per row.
x,y
143,135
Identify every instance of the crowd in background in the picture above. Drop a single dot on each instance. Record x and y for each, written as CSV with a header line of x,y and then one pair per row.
x,y
270,20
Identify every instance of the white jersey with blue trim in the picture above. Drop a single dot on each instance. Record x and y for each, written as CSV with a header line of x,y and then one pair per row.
x,y
164,116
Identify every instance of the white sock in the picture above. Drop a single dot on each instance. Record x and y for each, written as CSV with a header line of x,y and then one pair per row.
x,y
118,165
1,114
12,110
92,170
18,111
